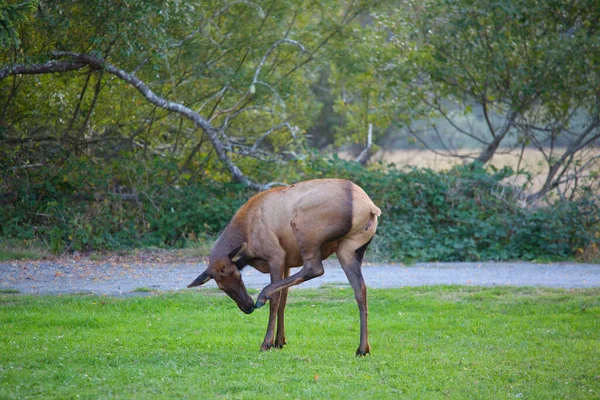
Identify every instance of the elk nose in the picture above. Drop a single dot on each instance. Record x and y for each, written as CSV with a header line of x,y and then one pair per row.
x,y
248,310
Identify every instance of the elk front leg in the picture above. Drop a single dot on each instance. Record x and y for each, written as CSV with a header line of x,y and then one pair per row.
x,y
277,273
268,343
311,269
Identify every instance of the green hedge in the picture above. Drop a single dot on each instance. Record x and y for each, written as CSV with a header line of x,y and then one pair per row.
x,y
467,214
462,214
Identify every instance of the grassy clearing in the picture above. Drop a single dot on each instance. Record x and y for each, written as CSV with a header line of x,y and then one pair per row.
x,y
457,342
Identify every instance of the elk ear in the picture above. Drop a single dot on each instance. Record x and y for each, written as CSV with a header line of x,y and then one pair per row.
x,y
201,279
238,253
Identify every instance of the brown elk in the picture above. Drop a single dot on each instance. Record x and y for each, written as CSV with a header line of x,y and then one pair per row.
x,y
293,226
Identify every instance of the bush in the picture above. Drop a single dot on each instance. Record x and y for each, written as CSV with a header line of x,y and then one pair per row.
x,y
466,214
84,206
463,214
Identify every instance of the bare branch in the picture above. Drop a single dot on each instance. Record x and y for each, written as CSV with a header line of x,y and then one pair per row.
x,y
274,92
557,169
267,133
219,94
435,151
447,117
268,53
231,116
27,166
261,12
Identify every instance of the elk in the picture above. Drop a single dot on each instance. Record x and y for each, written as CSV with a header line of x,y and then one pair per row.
x,y
294,226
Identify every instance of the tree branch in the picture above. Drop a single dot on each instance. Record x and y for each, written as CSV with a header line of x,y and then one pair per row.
x,y
46,68
565,161
78,61
267,133
268,53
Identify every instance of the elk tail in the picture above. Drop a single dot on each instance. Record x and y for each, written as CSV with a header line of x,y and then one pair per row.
x,y
375,212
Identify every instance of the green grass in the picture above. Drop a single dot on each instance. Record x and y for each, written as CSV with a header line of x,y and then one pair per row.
x,y
438,342
20,251
144,290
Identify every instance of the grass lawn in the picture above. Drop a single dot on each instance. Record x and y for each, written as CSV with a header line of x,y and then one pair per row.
x,y
428,342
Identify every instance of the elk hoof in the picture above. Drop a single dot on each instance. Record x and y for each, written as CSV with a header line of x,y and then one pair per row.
x,y
259,304
266,346
362,353
261,301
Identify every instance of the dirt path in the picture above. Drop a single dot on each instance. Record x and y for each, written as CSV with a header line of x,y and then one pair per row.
x,y
126,275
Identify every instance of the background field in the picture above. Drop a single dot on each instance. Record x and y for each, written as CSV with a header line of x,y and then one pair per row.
x,y
532,161
532,158
427,342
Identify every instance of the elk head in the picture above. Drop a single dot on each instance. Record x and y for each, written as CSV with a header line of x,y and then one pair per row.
x,y
225,272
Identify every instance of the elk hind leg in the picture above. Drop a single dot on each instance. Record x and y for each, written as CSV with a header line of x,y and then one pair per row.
x,y
350,253
280,339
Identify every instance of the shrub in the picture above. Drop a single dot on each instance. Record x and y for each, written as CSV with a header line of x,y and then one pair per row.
x,y
85,206
463,214
466,214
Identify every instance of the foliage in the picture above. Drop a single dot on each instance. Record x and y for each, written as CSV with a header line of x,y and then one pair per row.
x,y
88,206
466,213
87,163
458,342
450,73
10,16
244,66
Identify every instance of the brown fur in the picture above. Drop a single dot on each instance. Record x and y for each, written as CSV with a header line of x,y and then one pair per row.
x,y
293,226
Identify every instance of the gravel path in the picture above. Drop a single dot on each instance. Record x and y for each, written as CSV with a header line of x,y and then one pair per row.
x,y
124,276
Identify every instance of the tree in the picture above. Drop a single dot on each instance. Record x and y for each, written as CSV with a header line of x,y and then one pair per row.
x,y
228,68
498,73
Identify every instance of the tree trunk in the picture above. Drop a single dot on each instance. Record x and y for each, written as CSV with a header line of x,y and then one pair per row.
x,y
487,154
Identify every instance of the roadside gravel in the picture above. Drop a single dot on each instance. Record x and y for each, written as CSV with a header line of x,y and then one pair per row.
x,y
129,275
